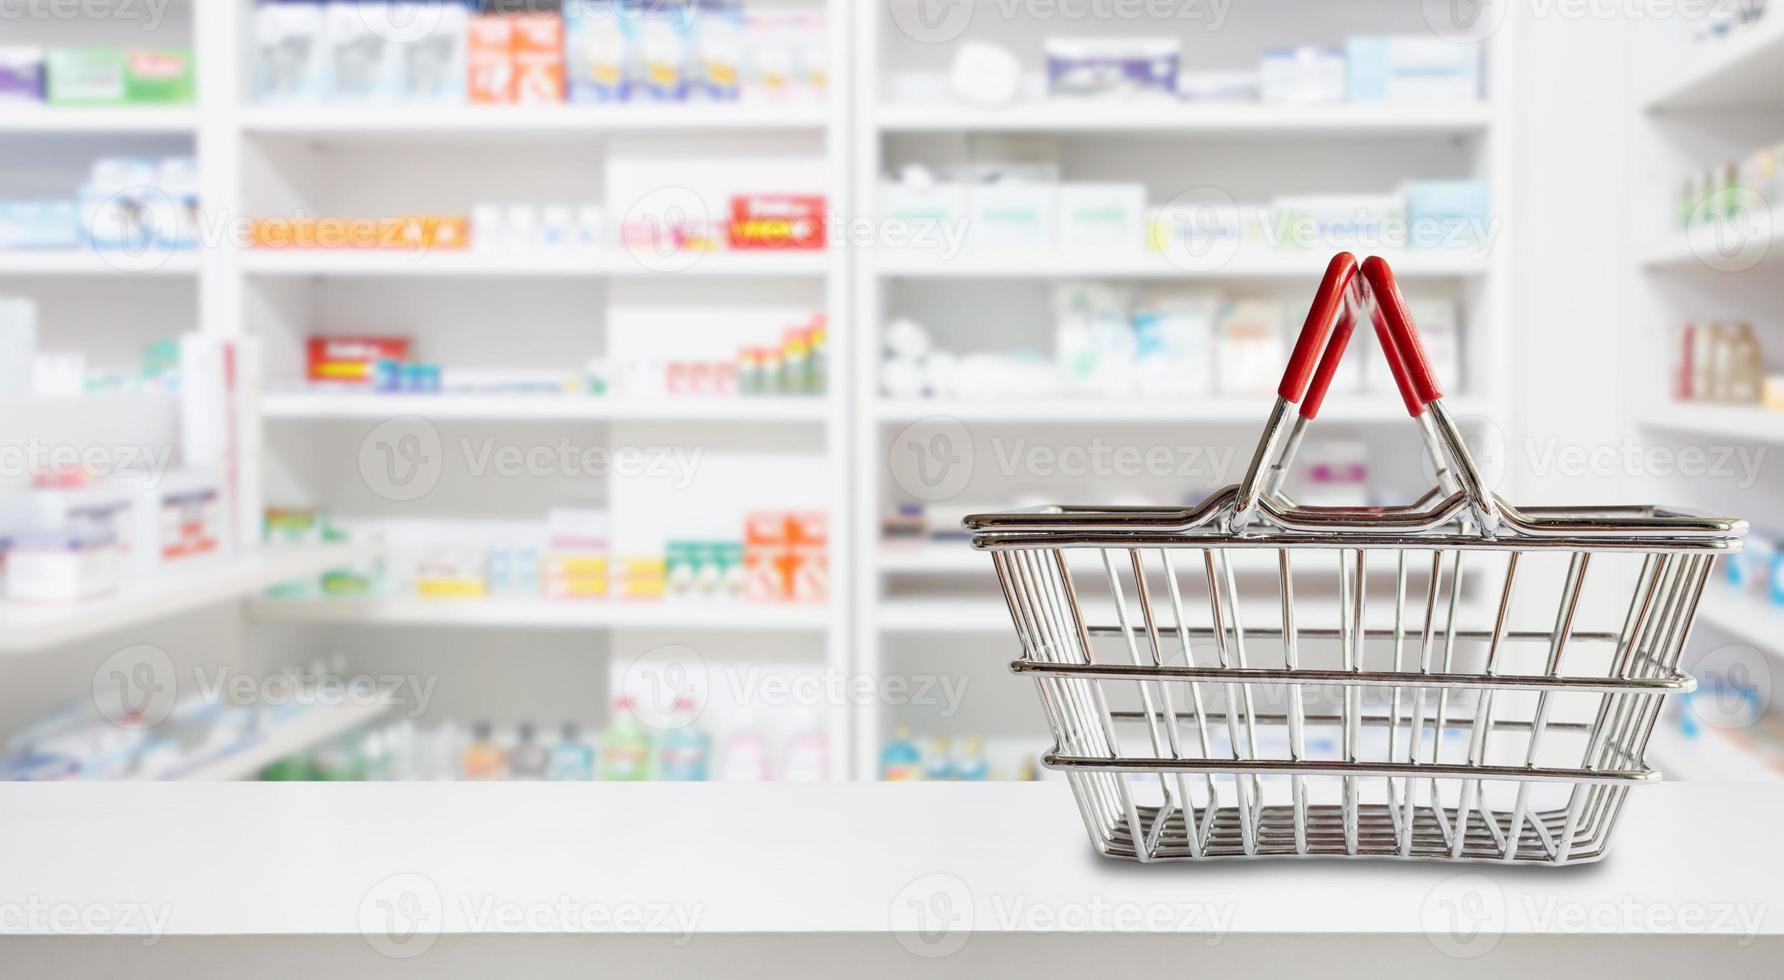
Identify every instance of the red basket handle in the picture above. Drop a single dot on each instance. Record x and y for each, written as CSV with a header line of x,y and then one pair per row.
x,y
1327,330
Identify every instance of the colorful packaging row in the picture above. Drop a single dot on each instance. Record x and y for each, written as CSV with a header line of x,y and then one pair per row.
x,y
755,222
1114,341
27,370
127,204
903,759
1029,214
1366,69
781,556
798,366
1740,191
79,538
96,76
1721,363
488,52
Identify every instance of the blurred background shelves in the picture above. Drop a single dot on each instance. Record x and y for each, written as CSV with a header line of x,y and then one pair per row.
x,y
1188,120
520,408
541,614
1746,422
26,628
87,262
314,726
1079,410
1702,251
442,263
460,123
36,118
1744,70
1742,614
1244,264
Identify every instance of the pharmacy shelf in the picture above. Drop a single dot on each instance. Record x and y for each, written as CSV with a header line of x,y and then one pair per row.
x,y
1729,421
1169,118
987,615
520,408
929,556
1744,70
1700,251
35,627
547,614
1711,755
313,727
1101,411
40,118
1746,616
1251,264
85,262
404,262
412,123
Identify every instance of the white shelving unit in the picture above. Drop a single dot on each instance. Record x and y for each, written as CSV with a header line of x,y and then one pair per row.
x,y
316,726
260,161
889,606
1707,103
925,606
27,628
304,405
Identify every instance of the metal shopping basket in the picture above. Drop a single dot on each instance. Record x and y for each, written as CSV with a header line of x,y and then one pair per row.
x,y
1497,710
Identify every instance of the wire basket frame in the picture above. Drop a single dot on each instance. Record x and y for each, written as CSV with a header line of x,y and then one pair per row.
x,y
1481,686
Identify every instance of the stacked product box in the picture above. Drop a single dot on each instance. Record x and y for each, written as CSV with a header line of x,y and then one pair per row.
x,y
506,52
96,76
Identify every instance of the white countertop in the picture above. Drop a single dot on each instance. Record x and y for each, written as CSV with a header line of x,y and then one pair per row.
x,y
696,859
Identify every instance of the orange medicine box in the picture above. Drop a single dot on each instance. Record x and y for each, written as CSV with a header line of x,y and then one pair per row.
x,y
489,55
786,556
538,59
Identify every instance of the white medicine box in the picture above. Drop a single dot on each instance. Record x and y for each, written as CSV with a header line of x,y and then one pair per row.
x,y
927,214
1099,217
1012,216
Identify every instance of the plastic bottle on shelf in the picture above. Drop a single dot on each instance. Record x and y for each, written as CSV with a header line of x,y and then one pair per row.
x,y
744,755
571,759
526,760
625,745
970,764
1745,380
900,761
685,752
808,754
482,759
940,764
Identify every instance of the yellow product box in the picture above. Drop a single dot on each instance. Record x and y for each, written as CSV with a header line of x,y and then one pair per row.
x,y
451,588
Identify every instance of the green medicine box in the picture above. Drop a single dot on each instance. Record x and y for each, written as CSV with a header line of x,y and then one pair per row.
x,y
119,76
